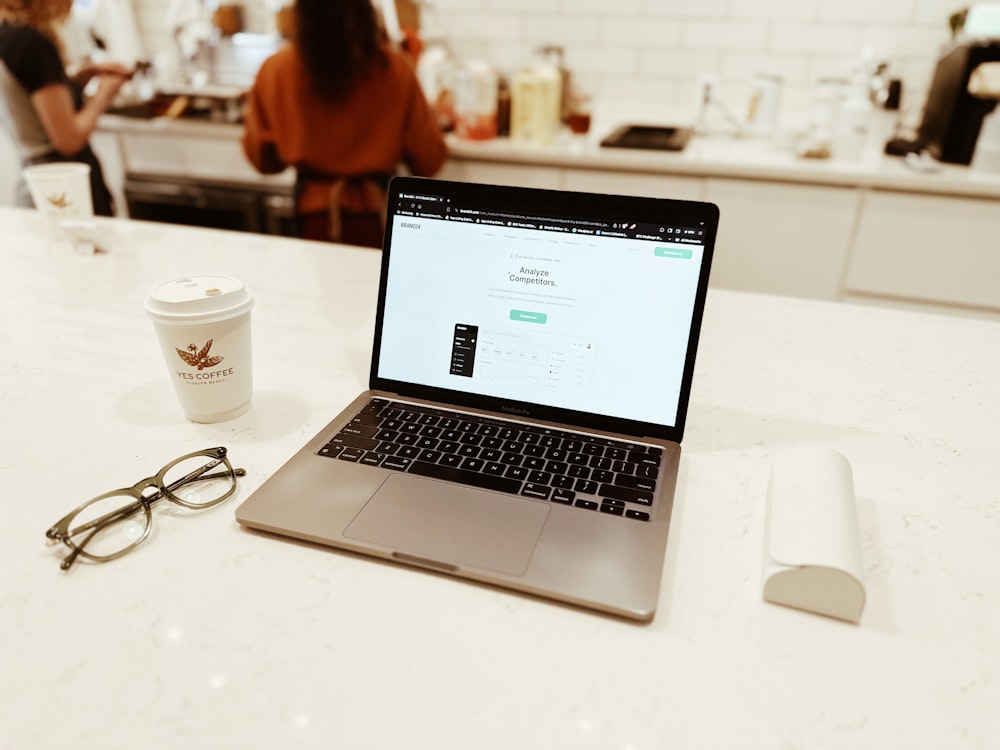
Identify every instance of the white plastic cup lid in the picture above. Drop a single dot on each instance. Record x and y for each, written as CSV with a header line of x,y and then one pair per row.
x,y
198,299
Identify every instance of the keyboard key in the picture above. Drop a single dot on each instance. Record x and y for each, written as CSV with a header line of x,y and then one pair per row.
x,y
636,483
586,486
540,491
516,472
563,482
375,406
473,464
372,458
638,515
627,494
614,510
564,496
556,467
462,476
651,457
351,454
588,504
539,477
429,455
646,471
357,428
330,451
353,441
396,463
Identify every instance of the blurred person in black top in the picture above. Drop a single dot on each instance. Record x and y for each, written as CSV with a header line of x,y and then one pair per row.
x,y
41,106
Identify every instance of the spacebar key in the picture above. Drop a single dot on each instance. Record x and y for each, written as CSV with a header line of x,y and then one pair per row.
x,y
462,476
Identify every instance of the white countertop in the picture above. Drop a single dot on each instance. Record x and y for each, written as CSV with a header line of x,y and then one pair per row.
x,y
727,156
722,156
213,637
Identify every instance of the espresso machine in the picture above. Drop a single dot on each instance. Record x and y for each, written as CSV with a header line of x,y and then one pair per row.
x,y
954,113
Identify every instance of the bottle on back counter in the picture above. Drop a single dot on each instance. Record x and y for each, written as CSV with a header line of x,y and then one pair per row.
x,y
476,93
536,103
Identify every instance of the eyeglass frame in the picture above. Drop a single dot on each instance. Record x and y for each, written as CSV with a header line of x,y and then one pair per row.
x,y
60,531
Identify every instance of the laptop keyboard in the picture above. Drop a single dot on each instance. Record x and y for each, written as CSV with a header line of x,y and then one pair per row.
x,y
585,471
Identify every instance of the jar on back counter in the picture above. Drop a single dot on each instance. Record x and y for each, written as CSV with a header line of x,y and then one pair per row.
x,y
536,103
476,87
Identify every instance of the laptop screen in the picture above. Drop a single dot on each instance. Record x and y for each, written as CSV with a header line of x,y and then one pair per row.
x,y
568,306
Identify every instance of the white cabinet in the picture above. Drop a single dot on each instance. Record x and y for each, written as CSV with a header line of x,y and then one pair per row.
x,y
633,183
494,173
781,238
929,248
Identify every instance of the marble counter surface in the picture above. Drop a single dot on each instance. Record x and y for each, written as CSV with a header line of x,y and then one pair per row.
x,y
209,636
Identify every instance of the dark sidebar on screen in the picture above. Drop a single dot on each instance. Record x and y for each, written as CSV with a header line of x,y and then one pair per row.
x,y
463,349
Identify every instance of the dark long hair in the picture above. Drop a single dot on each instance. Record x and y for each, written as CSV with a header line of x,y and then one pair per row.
x,y
340,42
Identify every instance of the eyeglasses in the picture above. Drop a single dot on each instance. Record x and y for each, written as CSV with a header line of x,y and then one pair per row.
x,y
115,523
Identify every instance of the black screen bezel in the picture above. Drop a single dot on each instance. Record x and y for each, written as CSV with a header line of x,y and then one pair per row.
x,y
612,208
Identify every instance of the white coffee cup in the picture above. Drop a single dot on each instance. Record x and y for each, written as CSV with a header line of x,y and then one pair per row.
x,y
203,325
61,192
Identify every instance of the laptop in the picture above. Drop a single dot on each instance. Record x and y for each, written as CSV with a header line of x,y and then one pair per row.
x,y
530,374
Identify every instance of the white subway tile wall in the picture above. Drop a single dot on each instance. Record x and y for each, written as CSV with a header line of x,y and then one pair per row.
x,y
647,56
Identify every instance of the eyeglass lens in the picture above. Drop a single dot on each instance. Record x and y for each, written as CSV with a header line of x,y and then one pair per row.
x,y
113,524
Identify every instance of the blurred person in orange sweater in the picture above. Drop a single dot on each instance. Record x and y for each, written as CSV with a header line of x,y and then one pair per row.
x,y
345,110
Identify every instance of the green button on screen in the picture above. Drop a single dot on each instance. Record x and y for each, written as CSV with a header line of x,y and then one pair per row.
x,y
525,316
672,252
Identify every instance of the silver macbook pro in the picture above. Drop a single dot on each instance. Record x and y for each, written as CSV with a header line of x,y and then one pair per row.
x,y
530,376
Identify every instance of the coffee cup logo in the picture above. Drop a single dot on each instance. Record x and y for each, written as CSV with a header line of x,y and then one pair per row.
x,y
59,201
199,358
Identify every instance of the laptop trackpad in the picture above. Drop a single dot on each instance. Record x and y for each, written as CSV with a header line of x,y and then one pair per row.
x,y
447,525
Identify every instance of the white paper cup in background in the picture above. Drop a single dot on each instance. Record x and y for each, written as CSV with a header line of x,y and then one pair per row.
x,y
203,325
61,191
